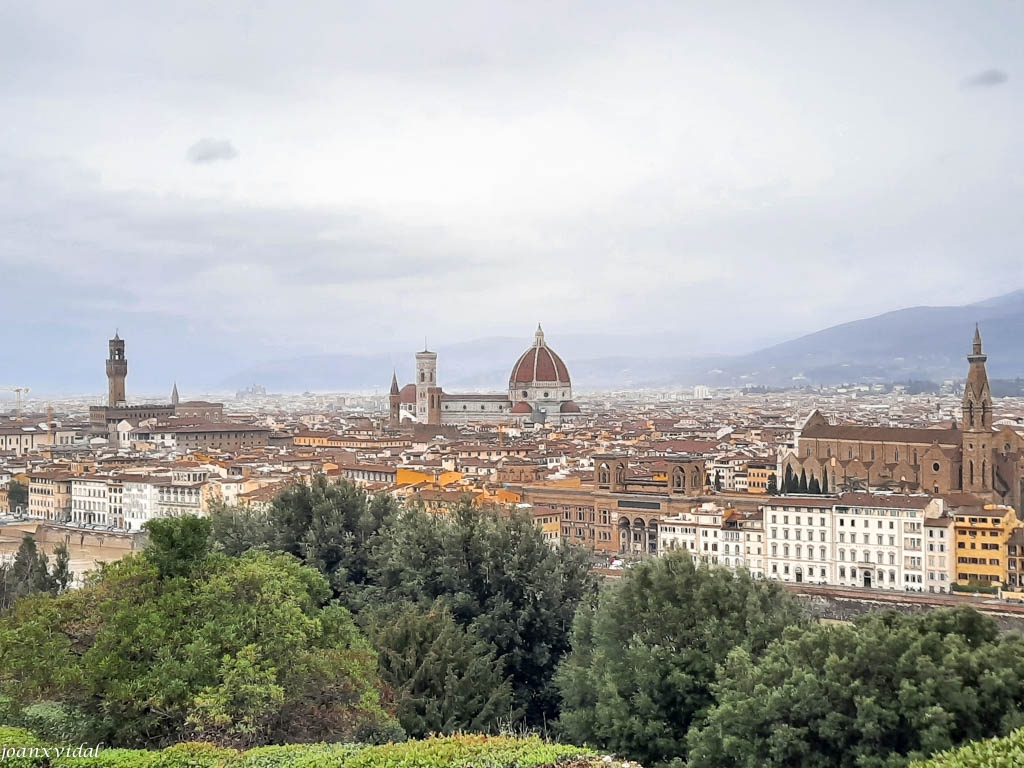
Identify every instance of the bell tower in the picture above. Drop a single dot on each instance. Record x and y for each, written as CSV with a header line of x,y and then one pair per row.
x,y
428,394
394,403
117,370
976,420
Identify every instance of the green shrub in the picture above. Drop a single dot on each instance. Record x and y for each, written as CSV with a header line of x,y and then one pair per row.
x,y
296,756
15,739
478,751
56,723
1007,752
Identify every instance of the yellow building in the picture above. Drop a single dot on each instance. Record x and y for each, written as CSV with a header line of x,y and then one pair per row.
x,y
311,439
981,535
758,474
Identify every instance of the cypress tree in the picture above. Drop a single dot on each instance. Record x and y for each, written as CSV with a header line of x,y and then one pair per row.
x,y
803,481
824,480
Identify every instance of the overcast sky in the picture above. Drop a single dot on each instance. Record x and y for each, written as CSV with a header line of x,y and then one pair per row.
x,y
334,175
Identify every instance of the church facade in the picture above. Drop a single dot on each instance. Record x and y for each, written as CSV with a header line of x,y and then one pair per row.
x,y
539,391
971,458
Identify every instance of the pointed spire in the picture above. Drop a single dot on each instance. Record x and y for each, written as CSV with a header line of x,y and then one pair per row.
x,y
977,339
538,338
174,394
394,383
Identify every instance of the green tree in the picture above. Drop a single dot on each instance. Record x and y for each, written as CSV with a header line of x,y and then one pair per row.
x,y
814,486
887,690
803,481
242,651
788,486
824,480
237,529
328,525
773,485
17,496
444,679
62,576
718,480
500,579
27,574
176,545
643,661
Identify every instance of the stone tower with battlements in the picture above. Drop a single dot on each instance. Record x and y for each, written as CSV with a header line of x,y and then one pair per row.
x,y
117,371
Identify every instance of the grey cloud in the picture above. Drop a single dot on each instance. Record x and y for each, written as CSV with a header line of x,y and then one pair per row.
x,y
210,151
986,79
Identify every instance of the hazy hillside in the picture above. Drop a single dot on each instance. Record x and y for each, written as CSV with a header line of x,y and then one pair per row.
x,y
914,343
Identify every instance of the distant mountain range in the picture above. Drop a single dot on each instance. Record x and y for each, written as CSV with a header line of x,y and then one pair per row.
x,y
928,343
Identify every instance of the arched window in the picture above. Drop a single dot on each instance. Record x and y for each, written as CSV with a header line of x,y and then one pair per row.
x,y
970,465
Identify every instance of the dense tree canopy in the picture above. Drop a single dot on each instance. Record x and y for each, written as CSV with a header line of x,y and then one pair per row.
x,y
643,661
499,578
890,688
238,650
443,678
328,525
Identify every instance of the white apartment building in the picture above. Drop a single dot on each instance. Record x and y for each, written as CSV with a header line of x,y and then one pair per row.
x,y
89,500
853,540
678,532
939,557
799,534
178,499
752,527
701,533
139,496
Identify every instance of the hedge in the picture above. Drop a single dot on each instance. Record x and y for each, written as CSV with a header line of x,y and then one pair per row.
x,y
479,751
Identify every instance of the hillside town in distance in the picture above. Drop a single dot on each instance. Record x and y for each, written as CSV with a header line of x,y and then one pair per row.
x,y
860,486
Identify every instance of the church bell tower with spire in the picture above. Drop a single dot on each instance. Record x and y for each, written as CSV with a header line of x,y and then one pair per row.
x,y
976,424
394,403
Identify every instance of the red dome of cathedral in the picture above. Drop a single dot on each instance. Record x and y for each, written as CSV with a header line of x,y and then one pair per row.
x,y
539,364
